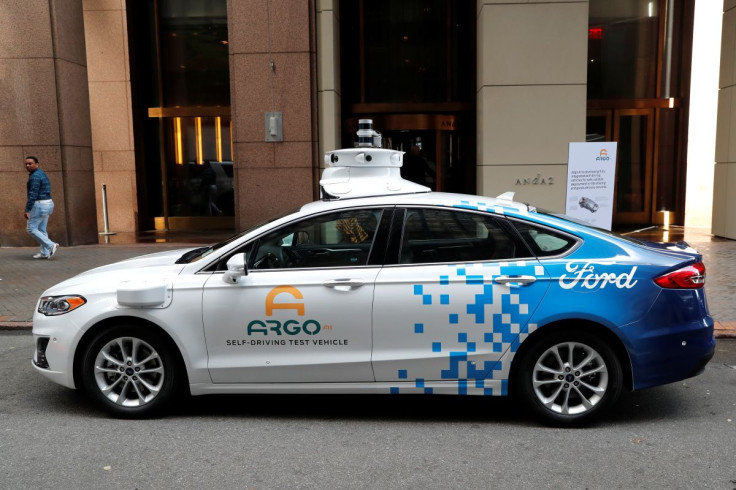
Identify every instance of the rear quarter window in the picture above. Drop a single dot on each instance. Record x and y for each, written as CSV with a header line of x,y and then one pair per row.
x,y
543,241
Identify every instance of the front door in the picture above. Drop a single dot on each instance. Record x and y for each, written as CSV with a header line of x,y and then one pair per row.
x,y
303,311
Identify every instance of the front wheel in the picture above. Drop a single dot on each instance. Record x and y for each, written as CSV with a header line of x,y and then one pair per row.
x,y
130,371
569,377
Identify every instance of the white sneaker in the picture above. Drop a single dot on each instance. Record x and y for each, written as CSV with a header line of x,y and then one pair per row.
x,y
53,250
39,255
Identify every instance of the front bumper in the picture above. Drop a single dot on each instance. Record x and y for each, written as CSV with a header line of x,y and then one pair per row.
x,y
55,360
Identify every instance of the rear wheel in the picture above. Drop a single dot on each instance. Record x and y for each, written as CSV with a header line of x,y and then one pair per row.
x,y
569,377
130,371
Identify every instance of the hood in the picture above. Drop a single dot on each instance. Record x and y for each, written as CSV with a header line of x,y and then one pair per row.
x,y
157,259
160,265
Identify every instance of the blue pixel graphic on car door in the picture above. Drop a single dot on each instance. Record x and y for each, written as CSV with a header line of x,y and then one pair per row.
x,y
459,299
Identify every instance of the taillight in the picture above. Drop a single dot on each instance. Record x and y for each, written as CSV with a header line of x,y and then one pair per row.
x,y
689,277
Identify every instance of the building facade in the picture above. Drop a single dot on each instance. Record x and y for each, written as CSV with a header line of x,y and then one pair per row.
x,y
724,189
214,114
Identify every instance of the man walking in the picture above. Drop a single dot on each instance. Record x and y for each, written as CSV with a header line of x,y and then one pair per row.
x,y
39,207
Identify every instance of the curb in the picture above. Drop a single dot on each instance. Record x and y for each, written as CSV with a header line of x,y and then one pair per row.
x,y
725,330
16,325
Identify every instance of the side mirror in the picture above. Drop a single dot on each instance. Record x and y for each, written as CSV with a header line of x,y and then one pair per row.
x,y
236,269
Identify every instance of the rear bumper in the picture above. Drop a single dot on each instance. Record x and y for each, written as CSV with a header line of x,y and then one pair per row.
x,y
671,355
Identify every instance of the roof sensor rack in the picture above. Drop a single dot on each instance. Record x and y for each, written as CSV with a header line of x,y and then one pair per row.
x,y
367,170
367,137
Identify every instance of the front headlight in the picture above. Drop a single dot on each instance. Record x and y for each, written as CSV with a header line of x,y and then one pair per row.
x,y
58,305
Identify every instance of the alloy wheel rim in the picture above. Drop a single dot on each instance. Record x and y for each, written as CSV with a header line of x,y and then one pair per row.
x,y
129,372
570,378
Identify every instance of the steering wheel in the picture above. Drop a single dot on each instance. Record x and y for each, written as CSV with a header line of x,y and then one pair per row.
x,y
292,258
268,261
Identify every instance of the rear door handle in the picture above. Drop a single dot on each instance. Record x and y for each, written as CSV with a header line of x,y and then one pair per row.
x,y
514,279
344,284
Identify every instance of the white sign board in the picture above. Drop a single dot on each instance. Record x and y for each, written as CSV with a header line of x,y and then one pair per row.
x,y
591,176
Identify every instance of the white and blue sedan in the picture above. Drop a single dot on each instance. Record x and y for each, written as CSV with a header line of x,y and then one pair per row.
x,y
385,287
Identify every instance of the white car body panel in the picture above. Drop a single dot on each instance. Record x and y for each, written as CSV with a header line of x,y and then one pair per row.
x,y
333,347
182,318
380,388
479,319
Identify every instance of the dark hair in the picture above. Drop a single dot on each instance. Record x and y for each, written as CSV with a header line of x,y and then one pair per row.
x,y
32,158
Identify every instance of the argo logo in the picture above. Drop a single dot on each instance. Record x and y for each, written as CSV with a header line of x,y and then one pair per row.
x,y
271,304
602,156
288,327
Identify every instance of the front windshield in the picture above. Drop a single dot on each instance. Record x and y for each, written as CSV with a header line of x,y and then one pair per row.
x,y
199,253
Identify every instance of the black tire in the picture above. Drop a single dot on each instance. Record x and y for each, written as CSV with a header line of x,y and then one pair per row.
x,y
130,371
568,378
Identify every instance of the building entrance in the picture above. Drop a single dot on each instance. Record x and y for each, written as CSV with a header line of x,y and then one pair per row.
x,y
633,129
638,94
180,88
410,66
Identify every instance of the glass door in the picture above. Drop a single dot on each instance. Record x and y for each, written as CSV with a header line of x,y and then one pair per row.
x,y
598,125
420,155
634,131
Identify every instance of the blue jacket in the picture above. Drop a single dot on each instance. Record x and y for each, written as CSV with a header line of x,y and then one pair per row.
x,y
38,187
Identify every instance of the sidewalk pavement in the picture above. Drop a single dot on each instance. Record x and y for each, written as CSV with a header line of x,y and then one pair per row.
x,y
23,279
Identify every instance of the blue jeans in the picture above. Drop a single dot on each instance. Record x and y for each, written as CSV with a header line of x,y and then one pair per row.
x,y
37,221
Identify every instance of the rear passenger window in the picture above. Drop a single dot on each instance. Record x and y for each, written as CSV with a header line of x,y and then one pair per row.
x,y
434,235
543,241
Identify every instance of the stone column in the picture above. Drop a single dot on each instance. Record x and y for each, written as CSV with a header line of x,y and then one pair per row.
x,y
44,111
328,79
272,177
106,31
532,76
724,188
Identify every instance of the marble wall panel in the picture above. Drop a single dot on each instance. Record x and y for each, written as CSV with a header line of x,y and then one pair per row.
x,y
106,48
28,105
25,29
68,31
73,101
265,192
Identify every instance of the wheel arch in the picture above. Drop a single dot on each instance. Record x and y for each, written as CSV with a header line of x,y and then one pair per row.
x,y
605,333
92,332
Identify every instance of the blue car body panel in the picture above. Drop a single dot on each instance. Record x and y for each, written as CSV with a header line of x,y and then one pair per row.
x,y
668,333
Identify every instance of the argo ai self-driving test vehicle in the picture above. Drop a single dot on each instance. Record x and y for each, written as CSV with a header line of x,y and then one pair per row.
x,y
382,286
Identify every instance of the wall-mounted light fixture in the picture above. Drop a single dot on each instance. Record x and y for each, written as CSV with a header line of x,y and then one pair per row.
x,y
178,146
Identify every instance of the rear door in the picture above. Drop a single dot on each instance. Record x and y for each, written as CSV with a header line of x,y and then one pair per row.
x,y
459,296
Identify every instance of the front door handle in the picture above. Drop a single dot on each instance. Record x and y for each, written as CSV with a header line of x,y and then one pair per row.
x,y
344,284
514,279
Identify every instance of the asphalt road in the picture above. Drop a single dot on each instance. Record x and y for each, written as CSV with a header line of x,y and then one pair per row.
x,y
678,436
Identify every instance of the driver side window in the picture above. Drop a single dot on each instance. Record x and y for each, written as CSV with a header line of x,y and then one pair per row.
x,y
341,239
